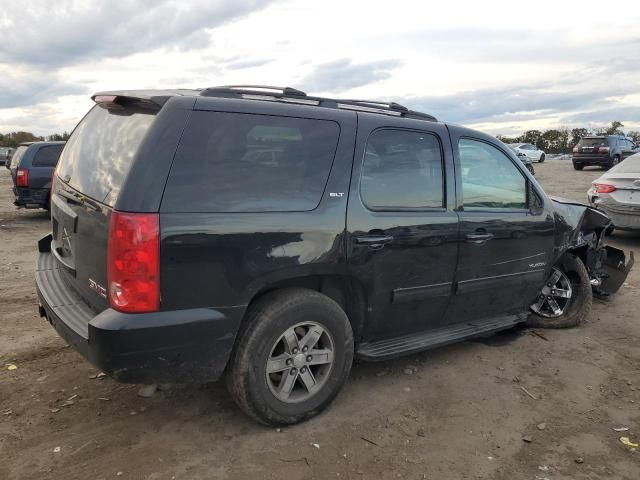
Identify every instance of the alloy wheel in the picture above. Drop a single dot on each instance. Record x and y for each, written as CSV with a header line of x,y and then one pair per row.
x,y
555,296
300,362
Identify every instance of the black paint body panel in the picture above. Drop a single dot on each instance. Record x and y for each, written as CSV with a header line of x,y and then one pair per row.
x,y
410,275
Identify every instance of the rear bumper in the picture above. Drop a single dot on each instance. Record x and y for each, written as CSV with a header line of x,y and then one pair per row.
x,y
31,197
173,346
591,159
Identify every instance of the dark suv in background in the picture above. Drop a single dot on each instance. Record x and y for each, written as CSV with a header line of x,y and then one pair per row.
x,y
602,150
270,236
32,167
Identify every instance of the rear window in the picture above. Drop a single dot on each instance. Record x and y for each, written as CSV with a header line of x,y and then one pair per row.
x,y
593,142
15,160
97,157
236,162
48,156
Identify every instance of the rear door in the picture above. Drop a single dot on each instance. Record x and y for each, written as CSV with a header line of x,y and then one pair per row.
x,y
506,233
401,226
90,174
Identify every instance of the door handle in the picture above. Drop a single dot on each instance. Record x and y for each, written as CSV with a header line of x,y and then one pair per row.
x,y
479,238
374,242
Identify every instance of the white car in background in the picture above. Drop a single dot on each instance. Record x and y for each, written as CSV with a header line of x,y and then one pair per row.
x,y
530,150
617,193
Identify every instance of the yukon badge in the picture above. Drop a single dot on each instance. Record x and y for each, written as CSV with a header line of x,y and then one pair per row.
x,y
96,287
537,265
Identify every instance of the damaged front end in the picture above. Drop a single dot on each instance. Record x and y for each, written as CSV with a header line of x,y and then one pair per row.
x,y
580,229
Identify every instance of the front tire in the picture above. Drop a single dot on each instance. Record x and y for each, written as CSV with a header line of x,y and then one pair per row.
x,y
541,158
566,297
578,166
292,357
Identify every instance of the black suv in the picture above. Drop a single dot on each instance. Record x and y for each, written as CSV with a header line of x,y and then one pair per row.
x,y
602,150
31,169
272,236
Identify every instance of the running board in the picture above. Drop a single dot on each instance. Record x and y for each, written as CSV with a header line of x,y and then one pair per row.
x,y
395,347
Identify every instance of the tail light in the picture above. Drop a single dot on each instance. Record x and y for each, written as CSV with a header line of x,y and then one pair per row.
x,y
22,177
133,262
602,149
604,188
576,149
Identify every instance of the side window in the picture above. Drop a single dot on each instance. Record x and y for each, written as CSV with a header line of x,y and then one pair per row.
x,y
489,178
47,156
236,162
402,170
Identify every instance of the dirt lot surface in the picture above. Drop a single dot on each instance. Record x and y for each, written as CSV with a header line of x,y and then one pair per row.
x,y
514,406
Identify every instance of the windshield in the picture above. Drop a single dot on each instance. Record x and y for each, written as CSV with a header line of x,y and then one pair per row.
x,y
98,156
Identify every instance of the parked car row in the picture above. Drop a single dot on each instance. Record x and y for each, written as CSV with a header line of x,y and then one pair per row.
x,y
269,237
31,167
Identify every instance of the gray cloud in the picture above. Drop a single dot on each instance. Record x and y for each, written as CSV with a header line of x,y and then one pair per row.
x,y
519,102
343,75
62,33
19,88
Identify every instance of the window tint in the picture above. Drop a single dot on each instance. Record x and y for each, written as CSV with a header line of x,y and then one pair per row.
x,y
402,169
235,162
48,156
97,157
489,178
593,142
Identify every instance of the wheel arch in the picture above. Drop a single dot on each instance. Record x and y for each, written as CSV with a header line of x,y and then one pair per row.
x,y
345,290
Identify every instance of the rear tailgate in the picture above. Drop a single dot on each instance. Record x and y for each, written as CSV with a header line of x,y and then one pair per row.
x,y
92,169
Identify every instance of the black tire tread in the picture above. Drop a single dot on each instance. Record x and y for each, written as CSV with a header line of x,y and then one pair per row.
x,y
257,321
585,294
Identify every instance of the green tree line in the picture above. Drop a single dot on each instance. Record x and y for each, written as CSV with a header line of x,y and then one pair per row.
x,y
562,140
14,139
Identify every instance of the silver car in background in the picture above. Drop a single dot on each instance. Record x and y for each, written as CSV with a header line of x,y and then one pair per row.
x,y
617,193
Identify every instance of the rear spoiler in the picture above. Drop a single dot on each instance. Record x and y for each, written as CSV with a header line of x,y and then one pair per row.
x,y
145,99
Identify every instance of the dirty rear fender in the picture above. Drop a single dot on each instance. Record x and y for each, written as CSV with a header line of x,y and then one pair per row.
x,y
580,229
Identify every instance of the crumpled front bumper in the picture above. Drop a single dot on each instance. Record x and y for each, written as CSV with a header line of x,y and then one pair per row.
x,y
614,270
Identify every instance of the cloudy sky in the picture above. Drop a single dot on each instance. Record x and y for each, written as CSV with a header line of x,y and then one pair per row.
x,y
503,67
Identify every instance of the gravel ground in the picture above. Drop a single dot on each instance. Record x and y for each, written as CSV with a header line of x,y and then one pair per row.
x,y
520,405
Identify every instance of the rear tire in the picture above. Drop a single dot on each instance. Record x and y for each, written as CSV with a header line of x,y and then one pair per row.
x,y
541,158
578,166
269,376
578,305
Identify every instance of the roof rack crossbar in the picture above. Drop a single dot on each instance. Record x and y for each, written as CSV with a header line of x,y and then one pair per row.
x,y
255,89
284,93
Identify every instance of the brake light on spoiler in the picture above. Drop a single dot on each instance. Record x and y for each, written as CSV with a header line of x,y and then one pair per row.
x,y
133,262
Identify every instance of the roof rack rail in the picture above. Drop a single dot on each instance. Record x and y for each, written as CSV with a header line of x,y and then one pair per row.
x,y
255,89
293,95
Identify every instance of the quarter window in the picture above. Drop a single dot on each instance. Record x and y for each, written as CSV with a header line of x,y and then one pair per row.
x,y
236,162
48,156
489,178
402,170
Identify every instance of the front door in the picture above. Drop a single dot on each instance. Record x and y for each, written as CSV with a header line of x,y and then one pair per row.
x,y
402,229
506,232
